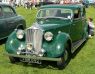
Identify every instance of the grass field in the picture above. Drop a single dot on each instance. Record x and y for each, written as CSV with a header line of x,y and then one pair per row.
x,y
82,63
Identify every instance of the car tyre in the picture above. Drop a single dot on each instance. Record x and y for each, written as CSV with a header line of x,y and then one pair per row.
x,y
65,58
14,59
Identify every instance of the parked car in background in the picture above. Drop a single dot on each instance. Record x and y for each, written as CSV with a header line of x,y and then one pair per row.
x,y
85,3
91,1
9,20
58,31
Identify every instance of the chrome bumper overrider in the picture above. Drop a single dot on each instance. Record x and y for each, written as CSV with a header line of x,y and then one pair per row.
x,y
34,57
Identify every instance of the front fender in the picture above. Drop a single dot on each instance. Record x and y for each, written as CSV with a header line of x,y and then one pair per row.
x,y
13,43
56,47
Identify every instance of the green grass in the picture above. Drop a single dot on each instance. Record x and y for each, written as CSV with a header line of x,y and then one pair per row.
x,y
29,15
82,63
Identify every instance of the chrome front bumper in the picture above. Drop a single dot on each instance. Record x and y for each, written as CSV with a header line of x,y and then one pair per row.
x,y
34,57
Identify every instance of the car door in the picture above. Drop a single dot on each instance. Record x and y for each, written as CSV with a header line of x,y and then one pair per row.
x,y
2,24
10,19
76,28
83,15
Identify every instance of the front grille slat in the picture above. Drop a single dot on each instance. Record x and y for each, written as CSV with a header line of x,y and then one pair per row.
x,y
34,36
29,36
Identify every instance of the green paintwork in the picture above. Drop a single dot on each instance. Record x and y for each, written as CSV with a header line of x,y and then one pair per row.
x,y
57,46
71,30
13,43
9,22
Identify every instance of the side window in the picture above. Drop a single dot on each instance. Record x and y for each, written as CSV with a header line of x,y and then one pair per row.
x,y
8,12
66,13
77,13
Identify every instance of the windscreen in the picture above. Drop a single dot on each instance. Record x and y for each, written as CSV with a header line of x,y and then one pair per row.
x,y
55,13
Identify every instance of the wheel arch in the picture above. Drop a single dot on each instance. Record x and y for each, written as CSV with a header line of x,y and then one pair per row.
x,y
20,27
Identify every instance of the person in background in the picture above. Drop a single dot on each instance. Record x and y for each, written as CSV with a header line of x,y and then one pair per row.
x,y
12,3
30,5
91,27
61,2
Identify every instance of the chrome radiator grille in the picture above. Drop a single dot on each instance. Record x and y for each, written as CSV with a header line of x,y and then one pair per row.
x,y
34,37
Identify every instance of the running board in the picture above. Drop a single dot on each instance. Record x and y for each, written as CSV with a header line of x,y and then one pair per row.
x,y
75,45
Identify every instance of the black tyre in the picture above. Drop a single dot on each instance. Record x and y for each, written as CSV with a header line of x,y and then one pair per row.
x,y
14,59
65,58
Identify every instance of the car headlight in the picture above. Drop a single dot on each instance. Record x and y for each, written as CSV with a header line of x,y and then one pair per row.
x,y
20,34
48,36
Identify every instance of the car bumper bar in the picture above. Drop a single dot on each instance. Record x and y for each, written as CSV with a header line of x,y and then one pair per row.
x,y
34,57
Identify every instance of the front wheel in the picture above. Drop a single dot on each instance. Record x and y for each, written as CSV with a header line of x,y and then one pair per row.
x,y
65,58
14,59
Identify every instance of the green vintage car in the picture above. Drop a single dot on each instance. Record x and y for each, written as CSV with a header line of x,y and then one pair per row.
x,y
9,20
58,31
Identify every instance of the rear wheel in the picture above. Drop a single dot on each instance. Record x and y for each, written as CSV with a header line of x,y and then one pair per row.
x,y
65,58
14,59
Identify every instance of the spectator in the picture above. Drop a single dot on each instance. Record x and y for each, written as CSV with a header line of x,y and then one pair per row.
x,y
12,3
91,27
28,5
61,2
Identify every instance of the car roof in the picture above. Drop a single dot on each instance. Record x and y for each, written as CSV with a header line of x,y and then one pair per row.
x,y
69,6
